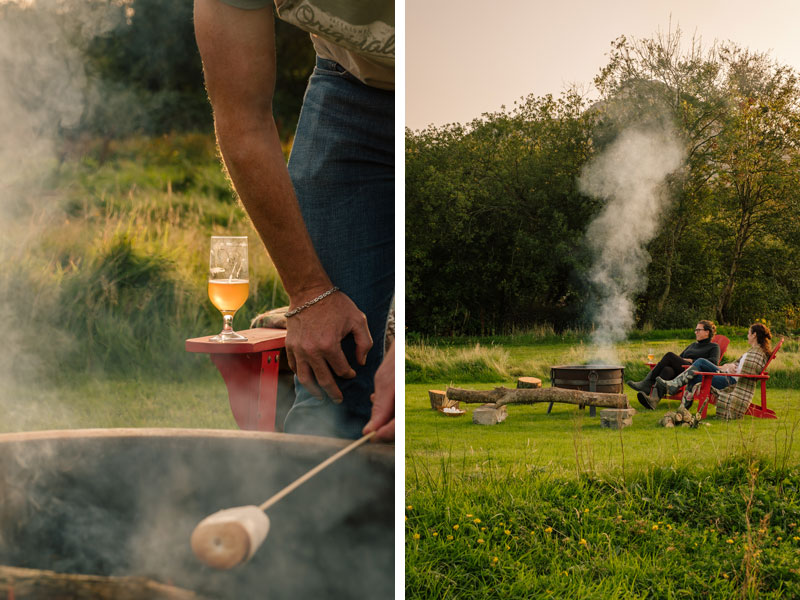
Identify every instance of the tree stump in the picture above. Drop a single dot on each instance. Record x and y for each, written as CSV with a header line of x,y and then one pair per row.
x,y
439,400
489,414
616,418
529,383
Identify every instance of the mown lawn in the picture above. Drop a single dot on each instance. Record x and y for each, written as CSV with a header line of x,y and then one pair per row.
x,y
554,506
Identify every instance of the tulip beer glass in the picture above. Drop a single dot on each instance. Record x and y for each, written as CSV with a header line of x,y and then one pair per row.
x,y
228,282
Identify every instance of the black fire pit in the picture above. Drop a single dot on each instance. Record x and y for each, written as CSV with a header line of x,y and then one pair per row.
x,y
125,502
589,378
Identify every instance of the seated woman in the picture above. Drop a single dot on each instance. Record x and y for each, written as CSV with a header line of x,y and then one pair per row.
x,y
729,403
672,364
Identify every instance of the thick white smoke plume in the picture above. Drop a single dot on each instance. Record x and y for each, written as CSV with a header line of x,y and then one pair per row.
x,y
629,176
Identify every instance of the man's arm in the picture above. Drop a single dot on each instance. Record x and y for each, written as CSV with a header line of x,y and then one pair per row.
x,y
238,52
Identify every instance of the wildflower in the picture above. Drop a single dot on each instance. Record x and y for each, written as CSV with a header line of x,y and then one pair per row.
x,y
508,532
585,510
409,507
480,541
725,575
435,534
455,526
669,526
779,538
669,506
483,528
475,520
795,538
583,542
729,541
508,547
495,559
655,527
468,516
449,537
416,536
406,518
548,530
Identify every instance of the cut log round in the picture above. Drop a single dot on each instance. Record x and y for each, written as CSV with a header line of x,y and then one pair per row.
x,y
439,400
529,383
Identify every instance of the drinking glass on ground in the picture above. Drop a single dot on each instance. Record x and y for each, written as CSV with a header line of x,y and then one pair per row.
x,y
228,281
650,355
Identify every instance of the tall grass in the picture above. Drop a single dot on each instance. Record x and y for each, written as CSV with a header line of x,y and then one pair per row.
x,y
104,268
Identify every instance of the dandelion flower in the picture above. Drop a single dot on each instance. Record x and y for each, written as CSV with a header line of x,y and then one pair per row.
x,y
655,527
449,537
435,534
455,526
795,538
585,510
548,530
725,575
495,559
468,516
476,520
508,532
409,507
583,542
779,538
483,528
729,541
416,536
480,541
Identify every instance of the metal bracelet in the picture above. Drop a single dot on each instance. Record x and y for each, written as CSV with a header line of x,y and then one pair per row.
x,y
322,296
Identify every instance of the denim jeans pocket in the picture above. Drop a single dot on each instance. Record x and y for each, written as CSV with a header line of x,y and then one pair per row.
x,y
327,67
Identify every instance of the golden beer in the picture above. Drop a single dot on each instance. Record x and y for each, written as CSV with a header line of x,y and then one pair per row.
x,y
228,295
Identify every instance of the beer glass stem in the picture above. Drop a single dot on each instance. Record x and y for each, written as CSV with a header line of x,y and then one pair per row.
x,y
227,323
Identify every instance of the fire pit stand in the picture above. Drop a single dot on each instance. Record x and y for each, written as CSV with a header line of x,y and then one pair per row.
x,y
591,378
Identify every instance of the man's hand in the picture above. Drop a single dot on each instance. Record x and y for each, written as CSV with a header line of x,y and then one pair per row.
x,y
314,343
728,368
382,419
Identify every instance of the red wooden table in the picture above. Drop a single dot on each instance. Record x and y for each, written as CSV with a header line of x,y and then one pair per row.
x,y
250,370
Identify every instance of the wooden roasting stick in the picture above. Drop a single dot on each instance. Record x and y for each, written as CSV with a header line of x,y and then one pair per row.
x,y
231,536
501,396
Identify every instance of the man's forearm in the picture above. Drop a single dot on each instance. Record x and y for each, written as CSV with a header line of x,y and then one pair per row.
x,y
256,165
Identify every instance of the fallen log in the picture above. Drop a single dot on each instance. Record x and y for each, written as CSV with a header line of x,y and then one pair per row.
x,y
22,584
502,396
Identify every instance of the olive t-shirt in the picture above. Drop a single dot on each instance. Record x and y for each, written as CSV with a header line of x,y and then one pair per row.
x,y
357,34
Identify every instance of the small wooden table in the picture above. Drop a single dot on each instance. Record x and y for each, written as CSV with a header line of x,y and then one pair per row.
x,y
250,370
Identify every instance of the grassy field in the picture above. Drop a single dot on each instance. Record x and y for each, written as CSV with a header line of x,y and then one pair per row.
x,y
554,506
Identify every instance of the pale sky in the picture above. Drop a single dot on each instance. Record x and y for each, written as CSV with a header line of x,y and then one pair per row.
x,y
467,57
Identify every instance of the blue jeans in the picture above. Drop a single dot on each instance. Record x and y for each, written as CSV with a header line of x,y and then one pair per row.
x,y
706,366
342,169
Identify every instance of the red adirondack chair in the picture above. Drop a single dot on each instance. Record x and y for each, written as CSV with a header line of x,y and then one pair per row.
x,y
721,341
704,397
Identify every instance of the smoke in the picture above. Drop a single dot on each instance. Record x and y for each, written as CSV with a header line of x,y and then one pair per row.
x,y
629,176
44,91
